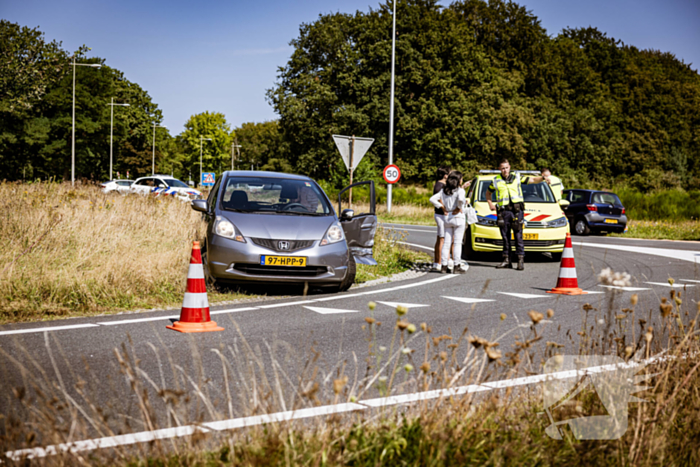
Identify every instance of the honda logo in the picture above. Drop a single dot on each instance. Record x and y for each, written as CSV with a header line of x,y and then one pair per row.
x,y
283,245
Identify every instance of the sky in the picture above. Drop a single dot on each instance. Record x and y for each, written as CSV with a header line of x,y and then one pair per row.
x,y
222,56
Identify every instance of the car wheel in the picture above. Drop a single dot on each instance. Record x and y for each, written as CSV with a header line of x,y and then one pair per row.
x,y
350,276
581,227
556,257
209,280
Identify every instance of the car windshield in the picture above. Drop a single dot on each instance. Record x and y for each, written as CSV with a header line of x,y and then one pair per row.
x,y
277,195
533,193
175,183
606,198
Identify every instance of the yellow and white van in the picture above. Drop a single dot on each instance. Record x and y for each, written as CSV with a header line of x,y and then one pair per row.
x,y
545,223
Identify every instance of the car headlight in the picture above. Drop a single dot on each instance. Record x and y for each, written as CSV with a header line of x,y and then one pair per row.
x,y
486,221
224,228
334,234
561,222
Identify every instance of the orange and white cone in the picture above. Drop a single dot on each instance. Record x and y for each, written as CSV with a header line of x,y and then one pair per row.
x,y
194,316
567,283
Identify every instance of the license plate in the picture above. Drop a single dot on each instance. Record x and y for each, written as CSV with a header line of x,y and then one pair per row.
x,y
526,236
266,260
611,221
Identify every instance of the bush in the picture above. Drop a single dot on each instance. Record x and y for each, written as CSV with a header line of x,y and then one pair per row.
x,y
673,204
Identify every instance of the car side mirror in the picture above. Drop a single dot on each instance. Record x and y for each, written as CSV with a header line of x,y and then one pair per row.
x,y
200,205
347,215
564,203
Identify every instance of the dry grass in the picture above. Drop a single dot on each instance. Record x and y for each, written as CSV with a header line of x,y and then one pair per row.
x,y
498,428
400,213
78,251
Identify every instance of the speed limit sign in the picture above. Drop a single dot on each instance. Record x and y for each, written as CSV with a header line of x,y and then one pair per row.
x,y
391,174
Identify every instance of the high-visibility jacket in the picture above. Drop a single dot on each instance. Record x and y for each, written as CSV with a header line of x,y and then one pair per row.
x,y
557,186
508,192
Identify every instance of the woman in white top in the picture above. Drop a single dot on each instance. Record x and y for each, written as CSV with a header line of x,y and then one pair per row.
x,y
452,200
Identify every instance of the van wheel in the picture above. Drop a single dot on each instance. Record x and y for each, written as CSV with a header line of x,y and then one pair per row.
x,y
581,227
556,257
350,276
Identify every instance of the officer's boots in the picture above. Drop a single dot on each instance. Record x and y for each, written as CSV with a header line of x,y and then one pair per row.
x,y
506,263
521,262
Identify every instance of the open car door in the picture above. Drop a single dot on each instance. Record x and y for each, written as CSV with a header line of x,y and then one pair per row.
x,y
360,229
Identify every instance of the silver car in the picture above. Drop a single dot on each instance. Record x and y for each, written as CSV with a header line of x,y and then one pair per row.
x,y
281,228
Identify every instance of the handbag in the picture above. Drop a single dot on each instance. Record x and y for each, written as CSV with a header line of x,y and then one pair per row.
x,y
470,214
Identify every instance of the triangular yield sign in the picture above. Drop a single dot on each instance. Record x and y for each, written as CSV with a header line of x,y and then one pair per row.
x,y
344,145
329,311
407,305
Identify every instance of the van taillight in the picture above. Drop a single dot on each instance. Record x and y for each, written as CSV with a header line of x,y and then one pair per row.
x,y
592,207
623,210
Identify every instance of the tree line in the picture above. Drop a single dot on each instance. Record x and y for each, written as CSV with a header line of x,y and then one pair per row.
x,y
476,82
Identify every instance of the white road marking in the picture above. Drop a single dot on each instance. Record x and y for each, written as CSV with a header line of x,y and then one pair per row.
x,y
469,300
147,436
690,280
417,246
139,320
329,311
230,310
48,328
674,286
410,230
592,292
627,289
525,295
407,305
684,255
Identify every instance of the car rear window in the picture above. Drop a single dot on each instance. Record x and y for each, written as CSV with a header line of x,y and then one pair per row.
x,y
606,198
276,195
532,193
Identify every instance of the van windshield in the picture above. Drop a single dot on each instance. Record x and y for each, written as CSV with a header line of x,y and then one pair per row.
x,y
533,193
274,195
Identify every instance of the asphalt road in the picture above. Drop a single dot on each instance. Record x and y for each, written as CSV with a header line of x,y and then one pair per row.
x,y
290,338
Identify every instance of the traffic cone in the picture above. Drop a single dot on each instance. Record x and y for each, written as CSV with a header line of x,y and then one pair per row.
x,y
567,283
194,316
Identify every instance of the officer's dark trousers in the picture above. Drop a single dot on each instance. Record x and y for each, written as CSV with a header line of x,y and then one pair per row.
x,y
509,217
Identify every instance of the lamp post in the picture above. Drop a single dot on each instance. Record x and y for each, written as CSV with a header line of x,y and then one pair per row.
x,y
72,144
391,107
201,142
155,125
238,148
111,133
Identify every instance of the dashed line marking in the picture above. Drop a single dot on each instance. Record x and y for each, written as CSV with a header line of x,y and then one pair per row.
x,y
48,328
469,300
524,295
674,286
626,289
329,311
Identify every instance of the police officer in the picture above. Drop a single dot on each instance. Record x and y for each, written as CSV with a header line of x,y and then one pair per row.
x,y
555,183
511,204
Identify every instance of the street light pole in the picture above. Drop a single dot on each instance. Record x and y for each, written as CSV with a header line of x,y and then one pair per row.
x,y
155,125
391,107
238,148
72,143
111,133
201,142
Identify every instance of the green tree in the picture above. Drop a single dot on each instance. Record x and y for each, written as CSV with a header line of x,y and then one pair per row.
x,y
215,154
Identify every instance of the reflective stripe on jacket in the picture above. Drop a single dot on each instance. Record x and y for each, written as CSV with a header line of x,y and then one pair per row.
x,y
557,186
507,193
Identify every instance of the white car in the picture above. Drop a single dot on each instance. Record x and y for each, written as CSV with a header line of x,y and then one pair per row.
x,y
121,186
164,185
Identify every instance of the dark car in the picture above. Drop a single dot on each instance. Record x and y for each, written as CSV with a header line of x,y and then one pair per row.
x,y
594,211
280,228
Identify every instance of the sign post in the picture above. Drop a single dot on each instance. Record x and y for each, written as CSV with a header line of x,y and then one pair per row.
x,y
352,150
